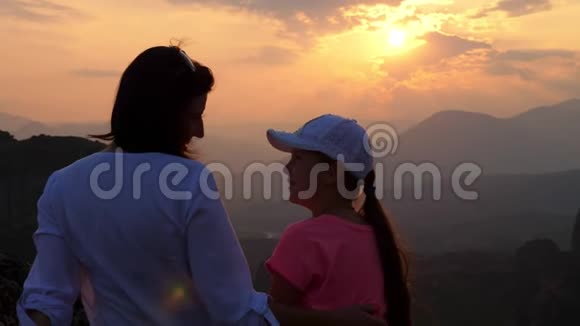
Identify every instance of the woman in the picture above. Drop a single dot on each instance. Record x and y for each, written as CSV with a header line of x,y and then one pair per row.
x,y
137,230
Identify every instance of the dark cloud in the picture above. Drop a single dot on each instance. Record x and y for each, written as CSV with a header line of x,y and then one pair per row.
x,y
531,55
516,8
524,62
437,48
450,72
96,73
441,54
554,69
271,55
314,14
500,68
37,10
283,8
442,46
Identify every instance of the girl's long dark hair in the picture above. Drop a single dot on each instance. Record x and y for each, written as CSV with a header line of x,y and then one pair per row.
x,y
393,260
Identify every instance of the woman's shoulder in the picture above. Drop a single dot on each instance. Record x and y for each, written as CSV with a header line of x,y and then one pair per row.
x,y
124,159
103,163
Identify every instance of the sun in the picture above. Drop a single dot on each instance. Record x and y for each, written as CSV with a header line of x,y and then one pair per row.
x,y
397,37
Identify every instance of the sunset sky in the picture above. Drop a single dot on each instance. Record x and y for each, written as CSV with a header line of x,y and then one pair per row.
x,y
290,60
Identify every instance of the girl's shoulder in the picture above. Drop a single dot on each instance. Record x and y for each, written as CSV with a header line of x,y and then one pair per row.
x,y
301,230
313,226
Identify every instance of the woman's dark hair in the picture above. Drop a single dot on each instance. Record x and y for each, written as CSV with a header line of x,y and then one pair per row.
x,y
393,260
153,96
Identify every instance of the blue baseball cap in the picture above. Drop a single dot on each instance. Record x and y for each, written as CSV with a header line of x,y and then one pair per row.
x,y
337,137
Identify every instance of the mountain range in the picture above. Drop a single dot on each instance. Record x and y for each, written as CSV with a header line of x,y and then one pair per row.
x,y
541,140
22,128
529,190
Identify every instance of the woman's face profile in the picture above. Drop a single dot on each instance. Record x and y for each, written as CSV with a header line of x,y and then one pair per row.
x,y
194,117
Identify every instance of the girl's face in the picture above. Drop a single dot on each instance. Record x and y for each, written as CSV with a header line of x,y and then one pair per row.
x,y
307,174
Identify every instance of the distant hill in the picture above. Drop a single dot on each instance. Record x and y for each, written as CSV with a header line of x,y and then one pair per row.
x,y
231,143
541,140
44,153
11,122
23,128
461,252
24,169
6,138
510,208
520,197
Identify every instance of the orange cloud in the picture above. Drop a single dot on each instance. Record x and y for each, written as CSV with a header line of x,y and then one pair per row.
x,y
517,8
437,47
37,10
294,59
299,17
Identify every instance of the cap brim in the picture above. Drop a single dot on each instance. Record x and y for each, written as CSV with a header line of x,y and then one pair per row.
x,y
288,142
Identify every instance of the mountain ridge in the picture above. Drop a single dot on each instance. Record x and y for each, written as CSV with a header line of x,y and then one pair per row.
x,y
541,140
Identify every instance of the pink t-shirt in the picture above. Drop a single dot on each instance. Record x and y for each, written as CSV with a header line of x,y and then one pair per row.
x,y
333,261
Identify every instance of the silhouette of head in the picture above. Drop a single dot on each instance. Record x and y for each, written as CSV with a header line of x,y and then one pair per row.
x,y
160,101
